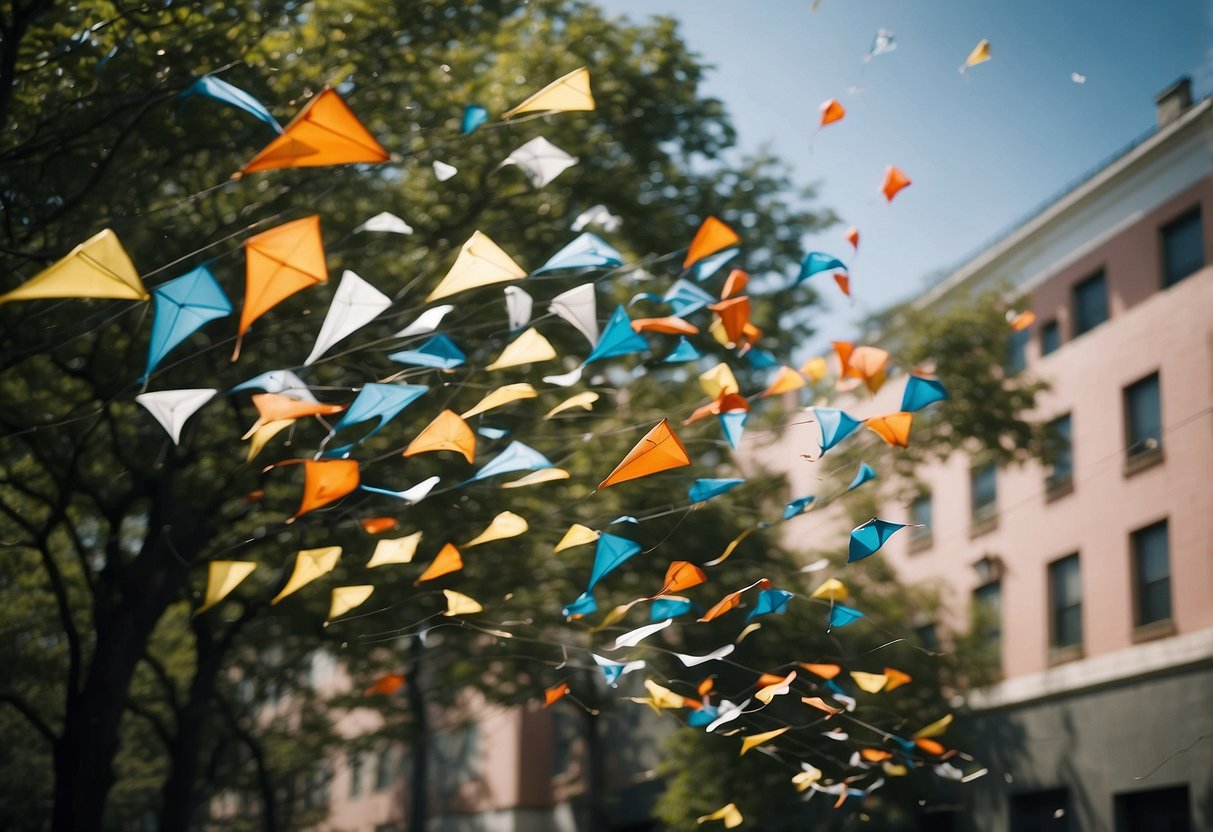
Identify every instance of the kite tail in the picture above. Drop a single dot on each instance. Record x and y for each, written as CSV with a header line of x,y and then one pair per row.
x,y
236,351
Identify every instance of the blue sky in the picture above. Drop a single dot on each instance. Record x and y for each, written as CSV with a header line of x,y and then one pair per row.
x,y
982,149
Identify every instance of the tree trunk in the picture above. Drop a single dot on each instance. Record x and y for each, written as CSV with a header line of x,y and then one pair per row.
x,y
418,806
595,784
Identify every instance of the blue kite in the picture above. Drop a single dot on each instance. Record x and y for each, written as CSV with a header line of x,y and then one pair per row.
x,y
867,539
761,359
380,401
617,339
183,306
705,489
921,392
816,262
588,251
684,297
770,602
683,352
610,552
836,426
708,266
797,506
222,91
492,433
664,608
515,457
438,352
842,615
473,116
584,605
865,473
733,425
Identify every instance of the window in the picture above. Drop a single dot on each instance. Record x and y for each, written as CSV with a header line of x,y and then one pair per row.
x,y
1143,416
1065,603
920,517
927,636
1062,474
355,773
1040,811
983,492
1183,248
385,772
1159,810
1050,337
1152,573
1090,303
987,612
1017,351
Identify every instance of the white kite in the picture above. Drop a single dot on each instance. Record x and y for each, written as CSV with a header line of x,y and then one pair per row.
x,y
355,304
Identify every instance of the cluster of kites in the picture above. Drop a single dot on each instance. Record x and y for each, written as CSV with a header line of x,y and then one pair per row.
x,y
290,258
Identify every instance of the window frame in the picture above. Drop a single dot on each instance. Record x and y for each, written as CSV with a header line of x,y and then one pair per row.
x,y
1078,329
1139,449
922,536
1050,326
1058,486
1164,276
980,600
1064,651
1139,585
981,517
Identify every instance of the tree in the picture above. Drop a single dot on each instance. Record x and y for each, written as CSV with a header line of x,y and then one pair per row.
x,y
111,525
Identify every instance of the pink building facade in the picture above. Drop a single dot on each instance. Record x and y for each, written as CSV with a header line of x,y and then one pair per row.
x,y
1096,574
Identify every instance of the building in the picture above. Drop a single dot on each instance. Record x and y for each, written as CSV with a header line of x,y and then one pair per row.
x,y
1098,573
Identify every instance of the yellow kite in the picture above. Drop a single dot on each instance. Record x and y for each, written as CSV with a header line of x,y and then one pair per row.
x,y
577,535
221,578
569,92
310,564
528,348
583,400
501,396
345,598
504,525
97,268
480,262
459,604
399,550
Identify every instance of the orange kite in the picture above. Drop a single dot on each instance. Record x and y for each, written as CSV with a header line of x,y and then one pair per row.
x,y
446,433
712,236
667,326
447,560
894,181
831,111
659,450
893,429
326,132
324,481
681,575
734,315
280,262
734,284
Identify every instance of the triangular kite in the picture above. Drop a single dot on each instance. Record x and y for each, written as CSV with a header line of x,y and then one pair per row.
x,y
579,308
381,402
659,450
712,237
355,305
894,181
785,381
541,160
445,562
220,90
438,352
505,525
569,92
399,550
518,306
893,428
172,408
921,392
867,539
310,564
583,400
831,111
618,338
183,305
446,433
325,132
280,262
326,481
481,262
459,604
585,252
577,535
528,348
346,598
97,268
501,396
222,577
609,554
516,457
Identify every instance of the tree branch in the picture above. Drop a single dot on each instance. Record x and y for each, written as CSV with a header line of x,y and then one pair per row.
x,y
31,716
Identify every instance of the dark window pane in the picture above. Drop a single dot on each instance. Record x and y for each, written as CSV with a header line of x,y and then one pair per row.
x,y
1159,810
1063,462
1183,248
987,602
1050,337
1090,303
1151,556
1143,416
920,514
1017,351
927,636
1040,811
1065,597
983,491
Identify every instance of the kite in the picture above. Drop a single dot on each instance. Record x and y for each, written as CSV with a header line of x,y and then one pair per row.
x,y
577,535
518,306
280,262
222,577
979,55
868,364
326,132
447,432
578,307
715,656
667,326
346,598
172,408
222,91
617,339
541,160
729,813
443,171
274,406
894,428
836,426
612,670
831,589
797,507
733,424
399,550
820,704
844,283
473,116
387,685
825,671
719,381
555,693
780,686
935,729
438,352
310,564
660,697
785,381
183,306
920,392
324,481
734,316
583,400
355,304
383,402
1078,78
681,575
538,477
567,93
584,605
410,496
516,457
97,268
638,635
841,616
831,111
869,682
500,397
770,602
727,712
504,525
671,607
732,600
426,322
852,237
481,262
896,678
703,490
868,538
1021,321
894,181
260,436
755,740
683,352
810,775
378,525
278,381
814,369
597,215
459,604
528,348
816,262
865,473
492,433
708,266
447,560
711,238
385,222
610,553
883,42
659,450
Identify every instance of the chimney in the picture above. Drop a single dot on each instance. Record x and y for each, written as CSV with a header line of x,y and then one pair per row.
x,y
1172,102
